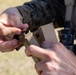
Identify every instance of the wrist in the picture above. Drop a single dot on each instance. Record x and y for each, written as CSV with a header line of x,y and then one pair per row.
x,y
11,12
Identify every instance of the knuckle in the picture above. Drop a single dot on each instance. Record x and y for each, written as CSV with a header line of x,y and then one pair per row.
x,y
48,55
48,66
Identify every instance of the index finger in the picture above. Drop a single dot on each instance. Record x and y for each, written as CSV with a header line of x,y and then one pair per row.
x,y
36,51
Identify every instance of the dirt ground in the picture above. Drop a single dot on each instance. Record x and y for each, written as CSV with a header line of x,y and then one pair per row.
x,y
16,62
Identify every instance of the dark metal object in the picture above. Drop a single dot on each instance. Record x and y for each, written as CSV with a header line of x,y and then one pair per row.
x,y
20,37
67,38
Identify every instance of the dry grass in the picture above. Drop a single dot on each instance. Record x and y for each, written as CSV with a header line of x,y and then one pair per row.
x,y
10,3
15,63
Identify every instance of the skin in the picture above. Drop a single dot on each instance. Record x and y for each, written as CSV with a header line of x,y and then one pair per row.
x,y
55,59
10,25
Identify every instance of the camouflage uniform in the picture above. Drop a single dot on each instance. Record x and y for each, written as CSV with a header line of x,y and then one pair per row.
x,y
40,12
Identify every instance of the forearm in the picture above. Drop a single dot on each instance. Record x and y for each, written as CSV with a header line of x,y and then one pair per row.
x,y
40,12
36,13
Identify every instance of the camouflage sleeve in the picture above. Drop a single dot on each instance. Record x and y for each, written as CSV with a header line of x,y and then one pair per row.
x,y
40,12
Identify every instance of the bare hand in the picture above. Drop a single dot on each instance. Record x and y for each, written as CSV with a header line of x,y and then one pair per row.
x,y
10,25
55,60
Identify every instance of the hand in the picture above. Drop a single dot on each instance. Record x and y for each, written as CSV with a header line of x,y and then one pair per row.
x,y
55,59
10,25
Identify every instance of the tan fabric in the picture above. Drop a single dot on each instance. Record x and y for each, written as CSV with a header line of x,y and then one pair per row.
x,y
73,22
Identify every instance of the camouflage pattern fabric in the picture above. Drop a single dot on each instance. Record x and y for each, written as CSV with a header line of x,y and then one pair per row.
x,y
41,12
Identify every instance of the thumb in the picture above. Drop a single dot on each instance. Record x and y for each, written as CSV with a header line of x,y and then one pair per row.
x,y
10,30
16,30
22,26
36,51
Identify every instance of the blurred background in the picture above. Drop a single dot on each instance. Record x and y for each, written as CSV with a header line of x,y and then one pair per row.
x,y
16,62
